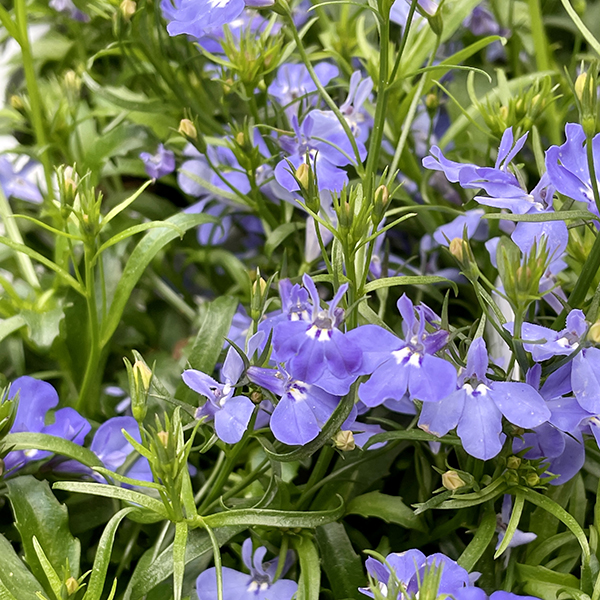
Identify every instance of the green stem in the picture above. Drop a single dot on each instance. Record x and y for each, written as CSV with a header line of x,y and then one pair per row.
x,y
380,109
35,98
318,472
12,230
87,393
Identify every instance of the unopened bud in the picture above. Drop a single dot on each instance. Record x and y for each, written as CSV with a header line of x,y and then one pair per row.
x,y
594,333
163,436
451,480
142,373
580,84
187,129
432,101
513,462
128,8
344,441
71,585
1,467
532,479
457,249
302,175
256,397
72,82
240,138
16,102
504,113
512,477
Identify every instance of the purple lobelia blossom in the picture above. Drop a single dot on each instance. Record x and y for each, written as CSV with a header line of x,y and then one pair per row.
x,y
35,399
231,414
315,350
477,407
474,593
68,7
293,85
198,18
568,169
400,365
159,164
321,141
482,22
358,118
258,585
405,572
470,221
302,410
18,183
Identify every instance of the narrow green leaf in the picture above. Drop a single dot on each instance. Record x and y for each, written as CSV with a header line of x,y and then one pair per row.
x,y
275,518
45,261
140,258
150,571
585,32
16,581
39,514
513,523
103,553
110,491
123,205
128,480
209,341
389,508
342,565
547,584
310,568
564,215
386,282
179,545
53,578
414,435
280,234
481,540
10,325
50,443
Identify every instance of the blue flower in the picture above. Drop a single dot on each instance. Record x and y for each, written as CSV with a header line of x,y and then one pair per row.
x,y
476,408
567,166
35,399
471,220
482,22
159,164
398,366
68,7
258,585
322,141
315,350
18,183
358,118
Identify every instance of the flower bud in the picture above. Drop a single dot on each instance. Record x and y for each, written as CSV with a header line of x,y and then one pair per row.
x,y
71,585
451,480
457,249
594,333
580,84
532,479
256,397
240,138
513,462
303,175
127,8
163,436
380,204
16,102
188,129
344,441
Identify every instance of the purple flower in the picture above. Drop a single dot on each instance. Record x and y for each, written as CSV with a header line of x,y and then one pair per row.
x,y
35,399
567,166
476,408
398,366
230,413
293,82
258,585
199,17
315,350
302,410
18,183
321,141
474,593
471,220
67,6
482,22
358,118
409,570
159,164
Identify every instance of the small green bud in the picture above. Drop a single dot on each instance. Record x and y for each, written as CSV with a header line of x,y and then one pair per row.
x,y
344,441
512,477
580,85
532,479
188,129
451,480
382,199
256,397
163,436
128,8
303,175
71,585
513,462
594,333
457,249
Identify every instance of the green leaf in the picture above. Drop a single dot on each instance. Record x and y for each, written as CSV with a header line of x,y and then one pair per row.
x,y
10,325
102,558
53,579
209,341
546,584
414,435
16,581
342,565
513,523
268,517
149,573
481,540
50,443
310,568
389,508
585,32
140,258
179,544
565,215
38,513
280,234
110,491
123,205
386,282
43,327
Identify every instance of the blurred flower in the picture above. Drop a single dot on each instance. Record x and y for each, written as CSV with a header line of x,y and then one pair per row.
x,y
159,164
67,6
19,184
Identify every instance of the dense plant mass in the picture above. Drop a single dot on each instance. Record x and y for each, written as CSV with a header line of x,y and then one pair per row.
x,y
300,300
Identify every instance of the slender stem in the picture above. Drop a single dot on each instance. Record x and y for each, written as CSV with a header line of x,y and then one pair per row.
x,y
318,472
87,393
35,98
172,297
12,230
